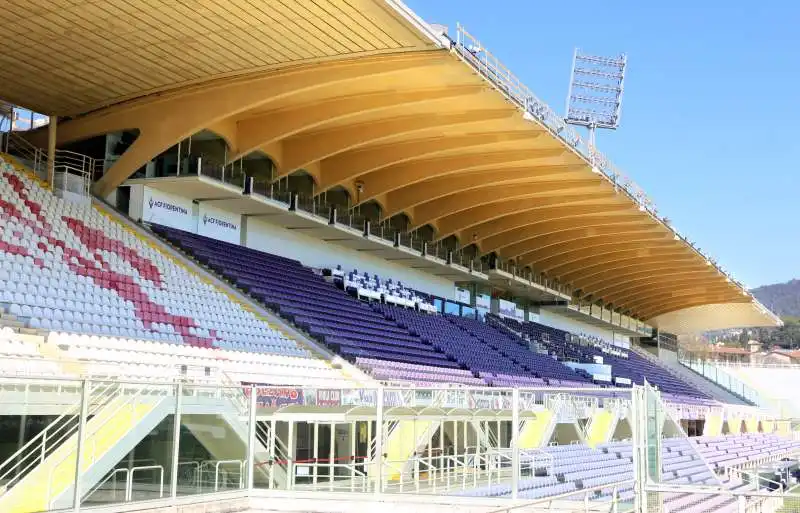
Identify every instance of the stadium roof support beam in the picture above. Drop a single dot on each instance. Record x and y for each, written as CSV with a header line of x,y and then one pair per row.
x,y
431,211
526,219
255,131
667,291
601,282
164,120
595,249
660,307
421,181
402,198
568,222
565,269
626,264
347,167
565,250
580,233
450,225
649,283
315,146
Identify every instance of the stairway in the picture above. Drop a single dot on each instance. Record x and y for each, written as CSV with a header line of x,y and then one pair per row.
x,y
41,475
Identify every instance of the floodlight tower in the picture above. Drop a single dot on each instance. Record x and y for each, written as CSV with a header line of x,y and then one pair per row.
x,y
594,99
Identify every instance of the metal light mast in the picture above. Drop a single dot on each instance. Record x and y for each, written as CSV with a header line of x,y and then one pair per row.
x,y
595,92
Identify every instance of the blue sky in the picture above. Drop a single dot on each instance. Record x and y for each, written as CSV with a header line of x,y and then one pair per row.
x,y
710,118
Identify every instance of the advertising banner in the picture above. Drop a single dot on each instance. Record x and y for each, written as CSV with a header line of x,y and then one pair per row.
x,y
219,224
329,397
275,397
168,210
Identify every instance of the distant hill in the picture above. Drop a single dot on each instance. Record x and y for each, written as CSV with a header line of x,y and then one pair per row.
x,y
781,298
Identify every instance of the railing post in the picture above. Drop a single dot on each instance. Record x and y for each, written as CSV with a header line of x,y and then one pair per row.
x,y
379,440
251,439
51,151
176,437
84,412
514,443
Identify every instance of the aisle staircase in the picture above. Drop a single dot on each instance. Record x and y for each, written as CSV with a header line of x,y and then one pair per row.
x,y
41,475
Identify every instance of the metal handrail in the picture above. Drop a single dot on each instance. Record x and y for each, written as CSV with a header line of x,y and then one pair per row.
x,y
110,475
128,401
129,486
219,463
36,450
583,491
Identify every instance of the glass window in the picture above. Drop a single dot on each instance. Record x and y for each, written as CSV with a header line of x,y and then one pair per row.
x,y
452,308
468,311
438,304
482,313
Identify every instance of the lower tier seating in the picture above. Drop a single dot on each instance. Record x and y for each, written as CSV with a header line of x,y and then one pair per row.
x,y
684,461
624,364
92,356
414,346
67,267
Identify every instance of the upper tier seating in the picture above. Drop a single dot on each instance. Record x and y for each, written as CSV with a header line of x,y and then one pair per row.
x,y
629,365
376,288
67,267
342,322
430,348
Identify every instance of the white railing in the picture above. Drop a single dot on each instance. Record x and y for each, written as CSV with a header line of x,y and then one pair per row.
x,y
92,452
73,172
59,431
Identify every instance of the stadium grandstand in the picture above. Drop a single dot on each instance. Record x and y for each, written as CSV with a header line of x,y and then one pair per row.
x,y
325,256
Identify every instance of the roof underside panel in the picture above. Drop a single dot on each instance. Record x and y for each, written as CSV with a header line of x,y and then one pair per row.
x,y
64,57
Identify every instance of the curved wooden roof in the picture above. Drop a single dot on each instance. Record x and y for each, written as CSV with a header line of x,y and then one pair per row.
x,y
356,91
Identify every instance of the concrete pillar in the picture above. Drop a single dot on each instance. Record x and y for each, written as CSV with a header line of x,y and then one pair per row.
x,y
51,150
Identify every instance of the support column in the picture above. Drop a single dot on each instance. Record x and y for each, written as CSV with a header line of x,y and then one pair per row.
x,y
273,425
379,441
332,456
85,395
176,437
23,422
292,452
51,151
251,438
515,464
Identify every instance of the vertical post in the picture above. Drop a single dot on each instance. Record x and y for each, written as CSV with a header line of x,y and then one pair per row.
x,y
315,454
515,443
51,151
290,465
353,456
85,394
176,437
379,441
251,438
332,455
178,167
272,436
